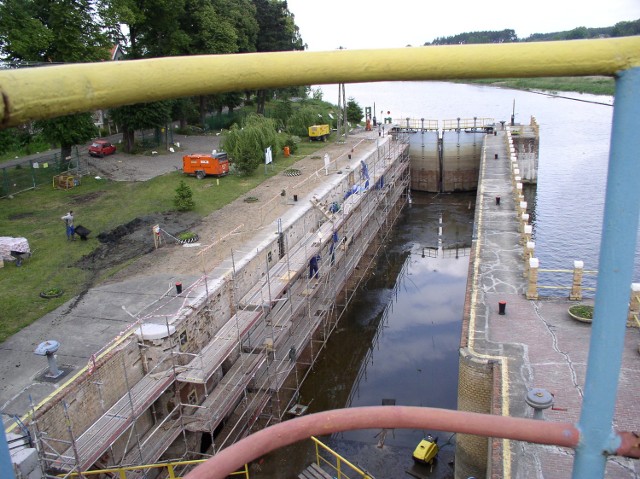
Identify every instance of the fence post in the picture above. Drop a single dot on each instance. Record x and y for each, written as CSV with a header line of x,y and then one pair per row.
x,y
526,234
576,286
532,287
634,306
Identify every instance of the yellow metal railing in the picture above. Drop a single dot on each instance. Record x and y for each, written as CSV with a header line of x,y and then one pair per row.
x,y
337,463
27,93
121,472
567,271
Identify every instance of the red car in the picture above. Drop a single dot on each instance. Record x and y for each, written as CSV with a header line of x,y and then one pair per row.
x,y
101,148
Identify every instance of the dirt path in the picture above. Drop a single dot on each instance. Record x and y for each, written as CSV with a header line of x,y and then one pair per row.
x,y
238,221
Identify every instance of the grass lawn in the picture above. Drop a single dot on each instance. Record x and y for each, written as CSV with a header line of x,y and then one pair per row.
x,y
99,205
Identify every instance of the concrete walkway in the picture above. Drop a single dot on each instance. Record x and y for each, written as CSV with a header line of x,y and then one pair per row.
x,y
537,343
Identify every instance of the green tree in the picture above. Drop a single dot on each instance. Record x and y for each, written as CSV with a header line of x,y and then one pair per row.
x,y
139,117
277,32
183,200
246,145
354,112
65,31
68,131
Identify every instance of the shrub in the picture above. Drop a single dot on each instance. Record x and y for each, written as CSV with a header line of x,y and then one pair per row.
x,y
183,200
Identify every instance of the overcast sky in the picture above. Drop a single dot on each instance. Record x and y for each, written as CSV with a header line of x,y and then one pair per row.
x,y
356,24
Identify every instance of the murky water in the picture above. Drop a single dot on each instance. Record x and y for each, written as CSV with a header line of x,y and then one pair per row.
x,y
398,341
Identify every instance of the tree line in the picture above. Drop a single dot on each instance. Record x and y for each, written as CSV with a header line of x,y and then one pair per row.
x,y
36,33
620,29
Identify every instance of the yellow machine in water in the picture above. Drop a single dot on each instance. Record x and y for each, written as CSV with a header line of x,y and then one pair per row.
x,y
427,450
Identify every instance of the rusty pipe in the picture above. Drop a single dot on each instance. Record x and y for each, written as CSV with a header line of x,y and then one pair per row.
x,y
385,417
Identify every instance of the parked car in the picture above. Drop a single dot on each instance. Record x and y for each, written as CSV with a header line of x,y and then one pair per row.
x,y
101,148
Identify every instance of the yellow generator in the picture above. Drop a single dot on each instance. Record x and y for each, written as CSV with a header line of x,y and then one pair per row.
x,y
319,132
427,450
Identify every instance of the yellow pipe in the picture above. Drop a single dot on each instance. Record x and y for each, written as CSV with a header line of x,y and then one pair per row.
x,y
45,92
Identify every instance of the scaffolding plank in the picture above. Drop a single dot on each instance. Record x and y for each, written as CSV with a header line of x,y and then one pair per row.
x,y
95,441
226,395
202,367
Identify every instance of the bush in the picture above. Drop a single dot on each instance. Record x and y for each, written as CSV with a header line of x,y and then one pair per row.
x,y
292,142
183,200
246,145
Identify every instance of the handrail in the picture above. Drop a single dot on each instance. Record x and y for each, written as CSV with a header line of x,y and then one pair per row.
x,y
170,466
397,417
27,93
339,460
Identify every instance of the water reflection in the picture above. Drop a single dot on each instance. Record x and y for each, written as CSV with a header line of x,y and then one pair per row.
x,y
399,340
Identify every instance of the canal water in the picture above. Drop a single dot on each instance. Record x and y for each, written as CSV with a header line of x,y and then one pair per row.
x,y
399,341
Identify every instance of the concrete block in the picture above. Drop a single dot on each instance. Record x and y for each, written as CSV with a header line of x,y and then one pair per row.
x,y
25,461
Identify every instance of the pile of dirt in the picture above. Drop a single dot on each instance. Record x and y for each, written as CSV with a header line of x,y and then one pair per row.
x,y
133,239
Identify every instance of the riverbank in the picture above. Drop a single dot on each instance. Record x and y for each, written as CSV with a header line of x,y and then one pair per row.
x,y
595,85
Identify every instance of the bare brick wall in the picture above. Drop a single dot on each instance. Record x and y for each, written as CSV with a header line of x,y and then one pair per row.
x,y
475,391
90,395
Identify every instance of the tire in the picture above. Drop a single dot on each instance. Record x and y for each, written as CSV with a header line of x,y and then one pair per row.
x,y
200,174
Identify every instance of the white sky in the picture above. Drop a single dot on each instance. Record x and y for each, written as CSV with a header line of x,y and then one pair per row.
x,y
357,24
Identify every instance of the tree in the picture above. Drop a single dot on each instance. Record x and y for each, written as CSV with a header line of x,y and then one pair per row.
x,y
65,31
246,145
277,32
354,112
139,117
68,131
183,200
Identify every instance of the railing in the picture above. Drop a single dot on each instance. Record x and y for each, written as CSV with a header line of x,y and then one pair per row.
x,y
337,463
467,123
27,95
171,469
416,124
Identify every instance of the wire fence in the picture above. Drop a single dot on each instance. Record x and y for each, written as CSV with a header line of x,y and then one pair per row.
x,y
19,176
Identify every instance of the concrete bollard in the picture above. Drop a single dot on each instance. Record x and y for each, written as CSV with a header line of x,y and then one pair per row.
x,y
522,207
526,234
528,254
576,285
634,306
532,285
524,220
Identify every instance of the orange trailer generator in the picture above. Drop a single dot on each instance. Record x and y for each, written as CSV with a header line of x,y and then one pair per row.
x,y
200,164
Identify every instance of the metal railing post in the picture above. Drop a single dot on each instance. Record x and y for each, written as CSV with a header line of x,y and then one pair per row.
x,y
615,271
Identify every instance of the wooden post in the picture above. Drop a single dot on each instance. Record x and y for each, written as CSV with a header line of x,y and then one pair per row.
x,y
576,286
532,287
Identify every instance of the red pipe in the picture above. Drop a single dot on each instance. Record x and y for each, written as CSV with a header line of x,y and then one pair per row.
x,y
388,417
